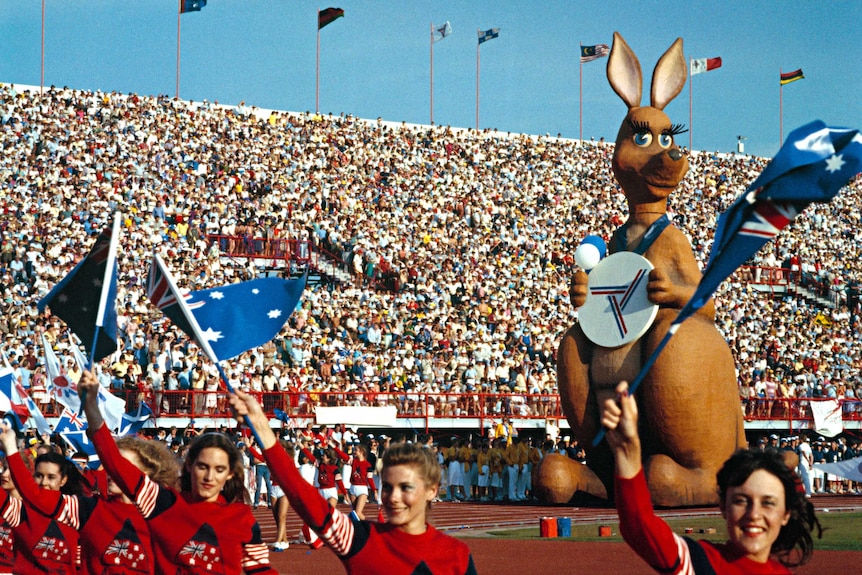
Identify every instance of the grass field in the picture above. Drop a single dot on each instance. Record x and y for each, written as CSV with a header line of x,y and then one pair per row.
x,y
841,531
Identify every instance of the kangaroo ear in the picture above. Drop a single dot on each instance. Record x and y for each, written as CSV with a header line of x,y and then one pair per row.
x,y
624,72
668,78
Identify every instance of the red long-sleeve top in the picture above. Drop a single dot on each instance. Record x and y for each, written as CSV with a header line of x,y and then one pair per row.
x,y
192,538
667,552
365,547
115,539
42,544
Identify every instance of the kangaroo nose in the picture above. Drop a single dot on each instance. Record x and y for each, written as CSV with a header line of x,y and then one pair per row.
x,y
674,154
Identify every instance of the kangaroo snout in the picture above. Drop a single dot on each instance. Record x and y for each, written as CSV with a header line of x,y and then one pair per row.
x,y
675,154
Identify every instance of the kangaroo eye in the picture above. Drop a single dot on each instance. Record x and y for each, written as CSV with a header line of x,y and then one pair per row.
x,y
665,140
643,139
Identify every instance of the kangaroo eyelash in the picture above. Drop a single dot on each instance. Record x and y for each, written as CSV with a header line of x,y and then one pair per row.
x,y
639,127
675,129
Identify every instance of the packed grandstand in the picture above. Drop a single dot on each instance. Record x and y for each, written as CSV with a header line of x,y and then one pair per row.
x,y
441,256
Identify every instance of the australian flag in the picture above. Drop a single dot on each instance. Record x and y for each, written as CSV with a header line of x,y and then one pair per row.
x,y
127,551
76,299
814,163
202,554
485,35
230,319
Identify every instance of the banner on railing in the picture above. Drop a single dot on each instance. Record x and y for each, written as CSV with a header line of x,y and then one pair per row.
x,y
350,415
827,417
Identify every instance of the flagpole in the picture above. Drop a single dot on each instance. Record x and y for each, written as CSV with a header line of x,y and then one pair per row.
x,y
580,96
477,82
106,286
317,69
42,64
780,109
690,100
179,12
432,73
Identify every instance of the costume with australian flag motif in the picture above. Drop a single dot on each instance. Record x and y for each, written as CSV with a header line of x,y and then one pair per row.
x,y
189,538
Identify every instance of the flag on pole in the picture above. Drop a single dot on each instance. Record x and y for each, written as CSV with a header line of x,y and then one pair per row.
x,y
228,320
70,421
78,298
133,422
442,31
590,53
191,5
111,406
788,77
327,16
700,65
814,163
486,35
8,398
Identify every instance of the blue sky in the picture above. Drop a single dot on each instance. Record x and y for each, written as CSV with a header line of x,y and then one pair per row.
x,y
375,60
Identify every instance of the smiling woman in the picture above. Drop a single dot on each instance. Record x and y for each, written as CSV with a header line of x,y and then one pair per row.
x,y
206,526
769,520
405,544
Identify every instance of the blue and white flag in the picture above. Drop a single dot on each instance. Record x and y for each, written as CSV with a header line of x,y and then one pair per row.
x,y
80,443
441,32
485,35
70,421
228,320
133,422
36,416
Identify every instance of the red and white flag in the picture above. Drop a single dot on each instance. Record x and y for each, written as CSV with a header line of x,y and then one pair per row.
x,y
699,65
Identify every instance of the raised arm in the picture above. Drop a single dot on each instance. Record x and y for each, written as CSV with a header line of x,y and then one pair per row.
x,y
642,529
304,498
131,480
46,502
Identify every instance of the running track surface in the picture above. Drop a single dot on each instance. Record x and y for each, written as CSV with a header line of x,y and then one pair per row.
x,y
470,521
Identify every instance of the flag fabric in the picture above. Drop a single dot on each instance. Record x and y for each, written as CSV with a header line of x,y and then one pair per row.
x,y
191,5
59,386
486,35
700,65
848,468
38,420
7,385
70,421
327,16
80,443
814,163
133,422
228,320
442,31
76,299
827,417
788,77
111,406
590,53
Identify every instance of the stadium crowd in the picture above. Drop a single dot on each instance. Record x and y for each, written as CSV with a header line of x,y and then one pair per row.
x,y
475,230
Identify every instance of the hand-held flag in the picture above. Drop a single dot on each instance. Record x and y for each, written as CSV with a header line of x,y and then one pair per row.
x,y
814,163
228,320
86,298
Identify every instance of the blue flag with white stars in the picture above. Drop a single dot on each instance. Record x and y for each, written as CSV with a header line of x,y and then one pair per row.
x,y
230,319
814,163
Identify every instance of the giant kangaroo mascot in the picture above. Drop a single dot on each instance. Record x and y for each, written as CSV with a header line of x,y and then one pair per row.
x,y
690,417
